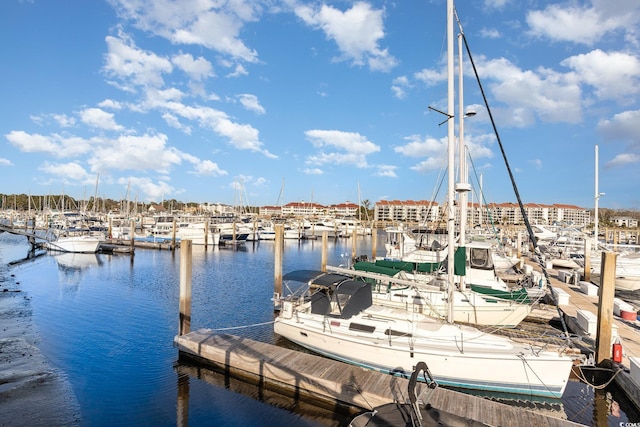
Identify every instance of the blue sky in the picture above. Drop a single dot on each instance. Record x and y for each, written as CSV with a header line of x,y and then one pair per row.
x,y
265,102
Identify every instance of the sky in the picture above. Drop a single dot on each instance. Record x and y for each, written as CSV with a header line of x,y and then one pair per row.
x,y
267,102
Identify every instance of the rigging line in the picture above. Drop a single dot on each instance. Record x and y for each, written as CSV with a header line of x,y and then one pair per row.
x,y
242,327
484,200
515,188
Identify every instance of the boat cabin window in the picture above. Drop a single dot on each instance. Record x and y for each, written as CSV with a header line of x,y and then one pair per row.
x,y
480,258
361,327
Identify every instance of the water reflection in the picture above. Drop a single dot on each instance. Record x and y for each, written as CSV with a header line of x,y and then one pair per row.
x,y
75,261
190,372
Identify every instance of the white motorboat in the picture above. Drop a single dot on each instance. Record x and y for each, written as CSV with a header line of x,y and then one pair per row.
x,y
77,244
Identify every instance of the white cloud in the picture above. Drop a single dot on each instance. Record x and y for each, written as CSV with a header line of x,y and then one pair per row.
x,y
623,126
97,118
57,145
418,147
133,66
5,162
214,25
356,31
110,104
207,167
490,33
386,170
197,69
251,103
130,152
69,172
399,86
353,148
154,191
581,24
623,160
544,93
313,171
63,120
614,75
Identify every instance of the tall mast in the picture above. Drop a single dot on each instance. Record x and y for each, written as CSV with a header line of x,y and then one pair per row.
x,y
451,163
596,199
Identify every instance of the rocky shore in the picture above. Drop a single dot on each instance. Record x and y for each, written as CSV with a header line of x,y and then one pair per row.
x,y
32,393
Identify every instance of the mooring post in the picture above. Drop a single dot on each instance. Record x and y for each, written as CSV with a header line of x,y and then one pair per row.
x,y
132,232
374,241
173,236
354,241
277,273
206,234
606,292
325,240
587,260
185,287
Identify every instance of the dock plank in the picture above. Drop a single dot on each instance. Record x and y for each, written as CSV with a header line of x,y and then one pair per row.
x,y
329,380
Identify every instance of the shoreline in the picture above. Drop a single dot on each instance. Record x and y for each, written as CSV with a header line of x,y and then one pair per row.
x,y
32,392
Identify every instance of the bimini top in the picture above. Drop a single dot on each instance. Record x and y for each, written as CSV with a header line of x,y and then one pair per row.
x,y
343,300
316,278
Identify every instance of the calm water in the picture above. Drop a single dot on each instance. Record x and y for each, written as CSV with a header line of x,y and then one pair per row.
x,y
108,323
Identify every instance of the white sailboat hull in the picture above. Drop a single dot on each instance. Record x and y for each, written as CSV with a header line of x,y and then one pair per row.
x,y
468,307
456,357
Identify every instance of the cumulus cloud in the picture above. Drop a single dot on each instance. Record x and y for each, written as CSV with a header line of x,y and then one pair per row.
x,y
69,172
54,144
197,69
97,118
583,24
154,190
613,75
356,31
623,160
251,103
623,126
214,25
133,66
132,152
352,148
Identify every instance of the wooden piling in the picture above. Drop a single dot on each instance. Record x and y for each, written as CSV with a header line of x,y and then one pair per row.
x,y
374,242
277,273
323,262
354,241
587,260
206,234
606,293
185,287
132,233
173,236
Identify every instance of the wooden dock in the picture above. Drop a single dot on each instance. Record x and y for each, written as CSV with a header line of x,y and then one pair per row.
x,y
318,378
627,331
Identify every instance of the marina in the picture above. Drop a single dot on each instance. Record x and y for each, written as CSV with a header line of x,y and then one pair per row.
x,y
131,348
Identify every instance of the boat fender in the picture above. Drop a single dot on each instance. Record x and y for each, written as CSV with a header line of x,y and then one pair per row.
x,y
616,351
287,309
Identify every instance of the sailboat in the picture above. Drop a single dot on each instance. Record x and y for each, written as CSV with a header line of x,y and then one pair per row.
x,y
337,318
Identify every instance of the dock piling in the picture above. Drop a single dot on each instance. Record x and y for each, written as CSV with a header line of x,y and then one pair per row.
x,y
605,307
185,287
277,274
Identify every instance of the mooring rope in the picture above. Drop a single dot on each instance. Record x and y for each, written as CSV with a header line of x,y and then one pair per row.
x,y
582,378
242,327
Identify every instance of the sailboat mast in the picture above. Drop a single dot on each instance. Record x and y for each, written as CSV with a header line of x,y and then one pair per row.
x,y
597,198
451,162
